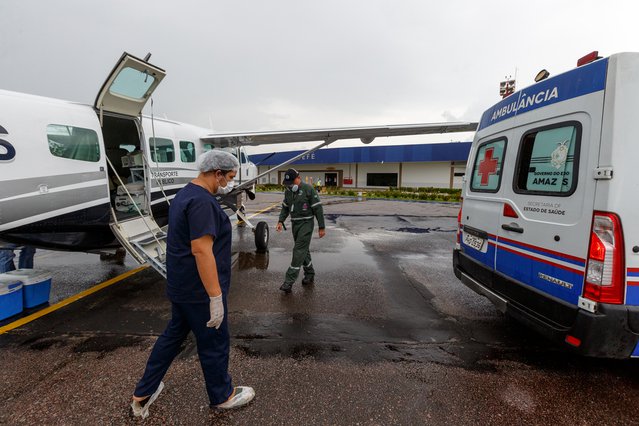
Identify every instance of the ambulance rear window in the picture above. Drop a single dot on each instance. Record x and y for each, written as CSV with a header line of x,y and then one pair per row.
x,y
547,163
486,175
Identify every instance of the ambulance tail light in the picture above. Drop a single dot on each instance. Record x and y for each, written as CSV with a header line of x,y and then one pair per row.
x,y
459,216
605,278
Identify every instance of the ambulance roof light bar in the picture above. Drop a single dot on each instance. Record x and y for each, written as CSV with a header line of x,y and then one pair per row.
x,y
591,57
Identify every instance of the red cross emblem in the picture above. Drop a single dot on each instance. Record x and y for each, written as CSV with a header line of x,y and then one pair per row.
x,y
488,166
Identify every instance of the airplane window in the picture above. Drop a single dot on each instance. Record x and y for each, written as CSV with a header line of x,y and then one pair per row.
x,y
162,149
131,83
73,142
187,152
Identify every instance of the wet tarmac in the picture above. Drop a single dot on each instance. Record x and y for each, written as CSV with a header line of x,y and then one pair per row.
x,y
387,335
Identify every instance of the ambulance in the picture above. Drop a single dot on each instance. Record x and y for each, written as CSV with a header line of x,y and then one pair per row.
x,y
549,224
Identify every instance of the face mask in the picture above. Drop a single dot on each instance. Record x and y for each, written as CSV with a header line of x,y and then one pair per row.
x,y
293,188
223,190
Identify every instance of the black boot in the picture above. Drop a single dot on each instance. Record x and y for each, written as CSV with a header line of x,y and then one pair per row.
x,y
286,287
308,281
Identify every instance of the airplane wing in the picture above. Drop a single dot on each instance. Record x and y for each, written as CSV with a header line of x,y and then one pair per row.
x,y
327,136
365,134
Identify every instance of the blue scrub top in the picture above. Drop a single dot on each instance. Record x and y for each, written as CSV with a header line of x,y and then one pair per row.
x,y
194,212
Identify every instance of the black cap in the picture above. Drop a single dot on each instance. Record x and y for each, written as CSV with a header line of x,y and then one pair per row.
x,y
290,176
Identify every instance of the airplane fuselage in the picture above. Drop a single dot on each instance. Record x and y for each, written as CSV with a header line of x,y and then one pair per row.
x,y
64,168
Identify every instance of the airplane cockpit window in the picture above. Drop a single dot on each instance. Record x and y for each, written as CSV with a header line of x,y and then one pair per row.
x,y
73,142
230,151
187,152
132,83
162,150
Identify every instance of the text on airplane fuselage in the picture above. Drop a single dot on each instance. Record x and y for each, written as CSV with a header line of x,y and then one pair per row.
x,y
7,151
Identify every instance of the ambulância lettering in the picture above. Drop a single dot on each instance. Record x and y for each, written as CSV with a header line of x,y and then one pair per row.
x,y
525,102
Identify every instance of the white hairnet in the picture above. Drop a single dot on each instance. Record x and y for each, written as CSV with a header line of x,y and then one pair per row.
x,y
217,160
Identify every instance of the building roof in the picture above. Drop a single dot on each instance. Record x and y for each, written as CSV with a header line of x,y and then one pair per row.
x,y
450,151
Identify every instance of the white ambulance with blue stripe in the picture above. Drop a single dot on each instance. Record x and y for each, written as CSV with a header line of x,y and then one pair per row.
x,y
549,224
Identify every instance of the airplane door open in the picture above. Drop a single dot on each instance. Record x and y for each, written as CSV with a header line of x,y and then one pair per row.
x,y
125,92
128,87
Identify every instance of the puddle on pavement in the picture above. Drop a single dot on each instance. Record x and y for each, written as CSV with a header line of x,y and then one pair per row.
x,y
250,260
411,256
414,230
346,249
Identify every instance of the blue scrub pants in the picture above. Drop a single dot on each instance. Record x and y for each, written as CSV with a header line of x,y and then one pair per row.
x,y
7,255
212,348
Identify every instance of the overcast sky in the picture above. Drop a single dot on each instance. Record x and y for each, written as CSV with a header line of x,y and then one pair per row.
x,y
294,64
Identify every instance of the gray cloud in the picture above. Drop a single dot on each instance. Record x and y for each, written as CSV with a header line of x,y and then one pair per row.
x,y
285,64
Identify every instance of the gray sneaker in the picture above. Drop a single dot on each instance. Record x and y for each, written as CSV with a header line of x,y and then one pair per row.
x,y
243,395
141,408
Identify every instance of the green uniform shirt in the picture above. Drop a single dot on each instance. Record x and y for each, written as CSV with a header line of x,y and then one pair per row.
x,y
302,205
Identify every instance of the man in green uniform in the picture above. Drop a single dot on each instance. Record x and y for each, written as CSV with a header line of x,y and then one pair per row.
x,y
303,204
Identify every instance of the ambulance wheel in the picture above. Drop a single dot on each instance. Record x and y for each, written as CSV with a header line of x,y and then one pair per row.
x,y
261,237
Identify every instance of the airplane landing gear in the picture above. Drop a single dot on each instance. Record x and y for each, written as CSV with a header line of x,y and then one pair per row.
x,y
261,237
260,230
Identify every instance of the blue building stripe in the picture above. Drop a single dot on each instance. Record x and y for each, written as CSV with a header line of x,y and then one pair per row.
x,y
453,151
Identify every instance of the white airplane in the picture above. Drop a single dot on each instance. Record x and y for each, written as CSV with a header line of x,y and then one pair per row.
x,y
93,177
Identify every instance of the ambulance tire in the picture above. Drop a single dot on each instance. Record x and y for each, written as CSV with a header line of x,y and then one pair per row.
x,y
261,237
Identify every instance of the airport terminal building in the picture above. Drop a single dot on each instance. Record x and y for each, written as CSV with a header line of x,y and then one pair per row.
x,y
440,165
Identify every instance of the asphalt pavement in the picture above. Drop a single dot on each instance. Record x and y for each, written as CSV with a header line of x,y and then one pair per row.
x,y
386,335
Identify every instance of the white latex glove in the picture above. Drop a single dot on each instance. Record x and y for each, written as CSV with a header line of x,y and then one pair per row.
x,y
217,312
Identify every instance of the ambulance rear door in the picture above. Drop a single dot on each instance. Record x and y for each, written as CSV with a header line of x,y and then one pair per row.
x,y
544,232
482,201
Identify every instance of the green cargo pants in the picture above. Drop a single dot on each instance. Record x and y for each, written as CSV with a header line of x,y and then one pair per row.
x,y
302,233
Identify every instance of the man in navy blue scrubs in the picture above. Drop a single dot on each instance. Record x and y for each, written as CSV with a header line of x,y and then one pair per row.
x,y
198,262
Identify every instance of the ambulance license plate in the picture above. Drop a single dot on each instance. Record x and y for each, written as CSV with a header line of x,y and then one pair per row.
x,y
475,242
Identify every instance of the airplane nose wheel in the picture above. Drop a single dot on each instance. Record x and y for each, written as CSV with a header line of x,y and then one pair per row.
x,y
261,237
